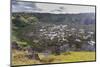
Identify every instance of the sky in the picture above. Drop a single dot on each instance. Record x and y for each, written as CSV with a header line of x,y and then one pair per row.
x,y
20,6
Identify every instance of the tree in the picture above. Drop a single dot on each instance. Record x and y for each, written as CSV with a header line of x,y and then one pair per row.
x,y
22,28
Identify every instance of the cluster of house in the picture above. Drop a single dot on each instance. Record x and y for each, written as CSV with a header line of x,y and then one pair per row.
x,y
62,32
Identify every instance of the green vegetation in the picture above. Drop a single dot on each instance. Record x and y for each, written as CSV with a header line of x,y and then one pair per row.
x,y
21,23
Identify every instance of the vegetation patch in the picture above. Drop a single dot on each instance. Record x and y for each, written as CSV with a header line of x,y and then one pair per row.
x,y
19,58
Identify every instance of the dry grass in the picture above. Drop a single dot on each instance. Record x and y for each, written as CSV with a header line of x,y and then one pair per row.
x,y
19,58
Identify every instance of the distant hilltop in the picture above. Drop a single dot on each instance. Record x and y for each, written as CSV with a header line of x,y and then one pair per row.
x,y
80,18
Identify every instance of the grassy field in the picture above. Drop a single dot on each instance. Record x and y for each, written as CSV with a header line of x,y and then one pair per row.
x,y
19,58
